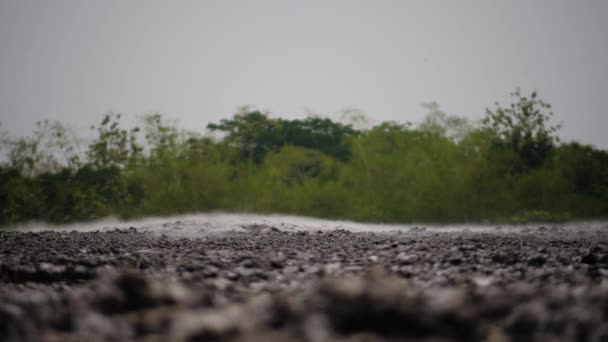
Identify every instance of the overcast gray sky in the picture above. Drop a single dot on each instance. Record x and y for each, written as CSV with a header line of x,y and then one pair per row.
x,y
197,61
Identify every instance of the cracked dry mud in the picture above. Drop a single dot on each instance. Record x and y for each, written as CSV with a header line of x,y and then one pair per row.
x,y
261,284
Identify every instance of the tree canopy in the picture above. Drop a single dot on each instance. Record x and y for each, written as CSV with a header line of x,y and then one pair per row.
x,y
256,134
523,127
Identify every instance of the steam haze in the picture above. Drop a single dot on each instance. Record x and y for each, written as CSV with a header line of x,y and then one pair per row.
x,y
197,61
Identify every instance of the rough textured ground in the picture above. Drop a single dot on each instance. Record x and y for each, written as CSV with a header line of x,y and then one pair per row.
x,y
262,283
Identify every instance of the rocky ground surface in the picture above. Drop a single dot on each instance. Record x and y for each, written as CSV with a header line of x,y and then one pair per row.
x,y
266,284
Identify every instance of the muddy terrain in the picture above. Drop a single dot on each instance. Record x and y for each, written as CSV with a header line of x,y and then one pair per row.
x,y
264,282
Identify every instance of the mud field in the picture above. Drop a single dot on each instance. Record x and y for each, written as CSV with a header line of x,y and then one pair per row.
x,y
262,282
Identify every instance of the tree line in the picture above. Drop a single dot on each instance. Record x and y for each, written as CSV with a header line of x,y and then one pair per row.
x,y
509,167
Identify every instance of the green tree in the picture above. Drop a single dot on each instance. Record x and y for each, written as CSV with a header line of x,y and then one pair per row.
x,y
114,146
439,123
524,128
319,134
19,197
255,134
252,132
162,138
52,147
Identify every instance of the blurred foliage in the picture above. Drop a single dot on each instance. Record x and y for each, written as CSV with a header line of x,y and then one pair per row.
x,y
114,146
510,167
52,147
524,128
255,134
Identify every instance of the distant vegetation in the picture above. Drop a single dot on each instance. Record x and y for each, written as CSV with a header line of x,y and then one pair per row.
x,y
508,167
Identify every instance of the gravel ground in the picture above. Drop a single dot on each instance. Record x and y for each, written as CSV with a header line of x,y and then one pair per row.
x,y
272,281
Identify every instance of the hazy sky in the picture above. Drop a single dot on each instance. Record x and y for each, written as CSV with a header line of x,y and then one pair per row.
x,y
197,61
